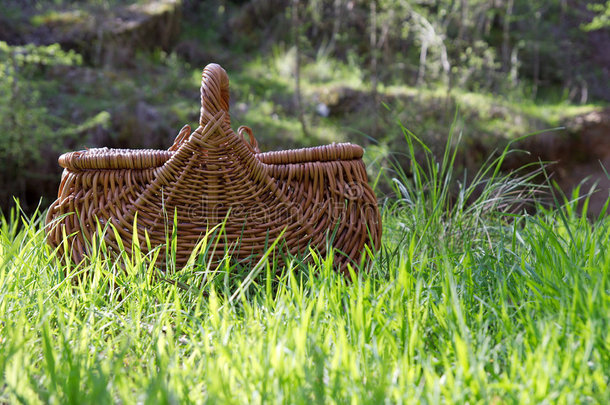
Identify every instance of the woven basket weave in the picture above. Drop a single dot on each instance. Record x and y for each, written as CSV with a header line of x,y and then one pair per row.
x,y
214,175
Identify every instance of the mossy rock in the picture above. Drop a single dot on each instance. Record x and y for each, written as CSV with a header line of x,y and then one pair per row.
x,y
109,36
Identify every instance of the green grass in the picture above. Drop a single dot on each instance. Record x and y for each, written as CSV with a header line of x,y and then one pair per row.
x,y
468,300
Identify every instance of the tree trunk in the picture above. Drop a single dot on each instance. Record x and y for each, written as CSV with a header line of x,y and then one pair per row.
x,y
463,12
506,36
373,44
514,67
536,69
336,24
296,27
423,54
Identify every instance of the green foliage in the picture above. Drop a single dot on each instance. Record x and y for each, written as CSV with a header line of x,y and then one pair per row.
x,y
53,17
601,19
464,303
27,129
26,56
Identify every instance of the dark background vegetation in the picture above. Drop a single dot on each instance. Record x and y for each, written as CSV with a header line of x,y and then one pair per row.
x,y
126,74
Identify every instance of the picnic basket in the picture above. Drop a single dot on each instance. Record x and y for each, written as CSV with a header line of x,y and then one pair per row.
x,y
313,197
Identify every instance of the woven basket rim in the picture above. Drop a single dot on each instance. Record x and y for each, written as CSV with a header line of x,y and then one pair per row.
x,y
114,158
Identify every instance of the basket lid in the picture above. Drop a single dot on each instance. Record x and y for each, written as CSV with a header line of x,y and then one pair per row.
x,y
325,153
106,158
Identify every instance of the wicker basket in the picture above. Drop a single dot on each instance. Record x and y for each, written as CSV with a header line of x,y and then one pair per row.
x,y
212,176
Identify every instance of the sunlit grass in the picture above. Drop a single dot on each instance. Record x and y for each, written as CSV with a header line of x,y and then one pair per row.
x,y
465,302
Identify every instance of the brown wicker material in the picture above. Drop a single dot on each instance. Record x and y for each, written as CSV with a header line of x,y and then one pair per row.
x,y
212,176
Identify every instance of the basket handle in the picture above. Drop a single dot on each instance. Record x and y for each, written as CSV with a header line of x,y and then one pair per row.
x,y
214,93
253,144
